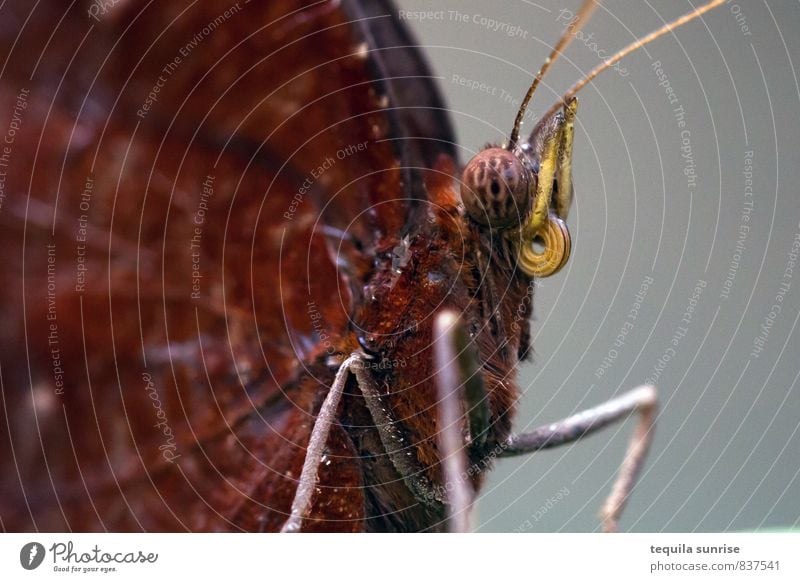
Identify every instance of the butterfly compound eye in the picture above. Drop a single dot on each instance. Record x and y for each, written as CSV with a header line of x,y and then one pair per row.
x,y
495,189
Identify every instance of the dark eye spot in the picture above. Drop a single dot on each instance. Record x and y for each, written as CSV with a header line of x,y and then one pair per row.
x,y
496,188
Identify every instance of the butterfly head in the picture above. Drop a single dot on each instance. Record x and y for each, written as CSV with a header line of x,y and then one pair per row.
x,y
497,187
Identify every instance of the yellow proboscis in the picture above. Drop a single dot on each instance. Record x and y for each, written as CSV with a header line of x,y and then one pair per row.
x,y
555,239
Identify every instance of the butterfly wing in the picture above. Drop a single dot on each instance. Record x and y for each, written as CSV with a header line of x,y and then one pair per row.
x,y
192,203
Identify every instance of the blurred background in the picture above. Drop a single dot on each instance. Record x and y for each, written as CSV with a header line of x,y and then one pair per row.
x,y
686,233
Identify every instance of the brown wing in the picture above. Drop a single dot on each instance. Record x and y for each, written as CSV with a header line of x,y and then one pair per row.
x,y
191,200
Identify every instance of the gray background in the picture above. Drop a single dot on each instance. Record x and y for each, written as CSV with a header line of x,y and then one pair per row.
x,y
727,449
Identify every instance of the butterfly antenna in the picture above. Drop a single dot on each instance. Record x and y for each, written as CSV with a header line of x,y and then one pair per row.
x,y
669,27
569,33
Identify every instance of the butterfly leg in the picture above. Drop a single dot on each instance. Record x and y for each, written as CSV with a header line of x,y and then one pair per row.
x,y
641,400
316,446
391,438
456,367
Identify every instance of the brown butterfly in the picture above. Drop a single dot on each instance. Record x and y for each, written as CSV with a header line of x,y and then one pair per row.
x,y
246,286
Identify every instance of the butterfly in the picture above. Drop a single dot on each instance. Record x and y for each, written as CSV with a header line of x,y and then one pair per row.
x,y
247,285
